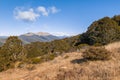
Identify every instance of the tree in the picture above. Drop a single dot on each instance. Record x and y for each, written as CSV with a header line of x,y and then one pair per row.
x,y
13,49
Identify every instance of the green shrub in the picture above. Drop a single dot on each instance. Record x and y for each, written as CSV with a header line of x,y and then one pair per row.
x,y
50,56
36,49
36,60
97,44
96,53
83,46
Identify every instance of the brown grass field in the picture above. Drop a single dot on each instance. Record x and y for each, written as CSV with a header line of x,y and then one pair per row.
x,y
70,66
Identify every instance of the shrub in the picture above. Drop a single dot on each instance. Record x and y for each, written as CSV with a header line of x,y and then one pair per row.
x,y
83,46
50,57
97,44
36,60
36,49
96,53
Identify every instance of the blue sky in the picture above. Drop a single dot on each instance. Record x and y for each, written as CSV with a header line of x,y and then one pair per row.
x,y
54,16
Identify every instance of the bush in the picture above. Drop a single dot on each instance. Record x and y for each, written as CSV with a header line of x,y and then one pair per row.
x,y
83,46
50,57
96,53
97,44
36,60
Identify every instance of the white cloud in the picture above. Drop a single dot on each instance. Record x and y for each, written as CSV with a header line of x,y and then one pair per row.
x,y
46,11
31,15
26,15
54,10
43,10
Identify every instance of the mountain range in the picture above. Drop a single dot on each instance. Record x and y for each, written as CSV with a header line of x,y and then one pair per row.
x,y
33,37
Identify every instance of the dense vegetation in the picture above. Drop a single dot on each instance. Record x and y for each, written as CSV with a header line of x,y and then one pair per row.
x,y
36,52
101,32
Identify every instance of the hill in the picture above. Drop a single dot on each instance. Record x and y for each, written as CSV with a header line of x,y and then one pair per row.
x,y
102,31
70,66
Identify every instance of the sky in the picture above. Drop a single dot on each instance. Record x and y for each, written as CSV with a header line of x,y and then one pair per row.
x,y
59,17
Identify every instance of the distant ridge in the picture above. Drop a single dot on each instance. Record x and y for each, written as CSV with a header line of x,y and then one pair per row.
x,y
40,36
33,37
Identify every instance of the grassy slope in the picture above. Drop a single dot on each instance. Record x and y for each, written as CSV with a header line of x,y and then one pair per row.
x,y
71,66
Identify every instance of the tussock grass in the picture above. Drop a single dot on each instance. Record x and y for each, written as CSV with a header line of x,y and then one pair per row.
x,y
73,67
97,53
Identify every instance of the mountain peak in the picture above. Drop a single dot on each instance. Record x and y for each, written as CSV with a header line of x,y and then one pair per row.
x,y
29,34
43,34
39,34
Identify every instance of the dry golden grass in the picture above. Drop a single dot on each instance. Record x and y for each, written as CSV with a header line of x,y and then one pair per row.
x,y
113,47
72,67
